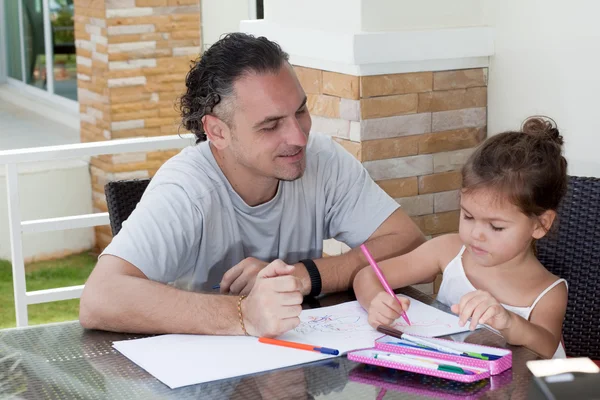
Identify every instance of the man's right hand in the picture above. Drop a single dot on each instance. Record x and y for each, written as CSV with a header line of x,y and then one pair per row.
x,y
274,303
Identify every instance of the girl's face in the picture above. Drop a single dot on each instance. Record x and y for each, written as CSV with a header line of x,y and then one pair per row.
x,y
496,231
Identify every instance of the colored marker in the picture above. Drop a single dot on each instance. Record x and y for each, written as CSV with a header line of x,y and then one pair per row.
x,y
300,346
415,346
381,278
216,287
420,363
401,335
446,363
481,356
417,341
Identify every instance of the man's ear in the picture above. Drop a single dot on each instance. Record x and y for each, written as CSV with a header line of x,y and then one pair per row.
x,y
543,224
217,131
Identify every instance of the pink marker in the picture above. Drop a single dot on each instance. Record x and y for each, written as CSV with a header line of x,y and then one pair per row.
x,y
381,278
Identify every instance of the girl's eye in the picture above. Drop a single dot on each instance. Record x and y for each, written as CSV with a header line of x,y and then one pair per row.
x,y
496,228
302,110
468,217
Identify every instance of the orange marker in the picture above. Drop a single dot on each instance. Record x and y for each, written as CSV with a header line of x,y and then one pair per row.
x,y
300,346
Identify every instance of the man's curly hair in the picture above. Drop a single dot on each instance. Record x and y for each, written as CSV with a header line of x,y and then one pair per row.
x,y
211,78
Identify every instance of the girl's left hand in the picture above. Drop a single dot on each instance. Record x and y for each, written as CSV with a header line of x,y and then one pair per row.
x,y
482,308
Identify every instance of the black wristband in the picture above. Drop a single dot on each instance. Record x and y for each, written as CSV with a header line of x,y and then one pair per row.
x,y
314,275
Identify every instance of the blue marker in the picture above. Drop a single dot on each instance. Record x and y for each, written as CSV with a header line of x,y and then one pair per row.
x,y
216,287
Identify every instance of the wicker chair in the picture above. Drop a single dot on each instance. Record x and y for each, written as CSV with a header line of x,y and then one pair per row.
x,y
572,251
121,199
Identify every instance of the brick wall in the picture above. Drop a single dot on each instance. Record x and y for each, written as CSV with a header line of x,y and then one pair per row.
x,y
412,132
132,58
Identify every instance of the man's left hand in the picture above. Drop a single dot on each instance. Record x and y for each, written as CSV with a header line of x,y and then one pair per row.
x,y
240,278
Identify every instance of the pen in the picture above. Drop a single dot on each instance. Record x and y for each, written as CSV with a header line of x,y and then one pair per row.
x,y
381,278
434,346
300,346
423,364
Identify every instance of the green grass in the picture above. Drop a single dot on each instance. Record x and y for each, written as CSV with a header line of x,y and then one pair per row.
x,y
68,271
58,58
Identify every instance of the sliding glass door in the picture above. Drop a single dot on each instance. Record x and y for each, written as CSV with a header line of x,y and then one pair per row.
x,y
63,48
40,45
13,40
33,35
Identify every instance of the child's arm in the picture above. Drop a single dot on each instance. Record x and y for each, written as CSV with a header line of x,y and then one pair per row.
x,y
419,266
542,333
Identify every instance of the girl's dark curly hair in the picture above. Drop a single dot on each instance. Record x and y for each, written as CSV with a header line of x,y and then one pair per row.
x,y
213,75
526,165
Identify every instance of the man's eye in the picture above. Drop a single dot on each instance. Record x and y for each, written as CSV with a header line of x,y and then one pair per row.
x,y
270,128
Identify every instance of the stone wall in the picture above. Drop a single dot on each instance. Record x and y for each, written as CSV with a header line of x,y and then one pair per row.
x,y
412,132
132,58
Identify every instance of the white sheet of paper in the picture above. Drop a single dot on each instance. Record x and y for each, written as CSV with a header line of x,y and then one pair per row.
x,y
181,360
345,326
428,321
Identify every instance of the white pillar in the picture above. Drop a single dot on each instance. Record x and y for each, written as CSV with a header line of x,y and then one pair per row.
x,y
326,15
372,37
223,16
375,15
394,15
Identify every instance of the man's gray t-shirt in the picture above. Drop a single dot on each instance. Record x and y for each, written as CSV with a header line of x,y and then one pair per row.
x,y
190,226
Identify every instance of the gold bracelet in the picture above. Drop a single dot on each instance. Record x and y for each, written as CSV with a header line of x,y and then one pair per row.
x,y
239,306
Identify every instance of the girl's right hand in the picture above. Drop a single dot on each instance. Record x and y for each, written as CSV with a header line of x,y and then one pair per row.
x,y
384,309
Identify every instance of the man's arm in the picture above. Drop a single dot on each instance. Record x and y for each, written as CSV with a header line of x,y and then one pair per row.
x,y
119,297
397,235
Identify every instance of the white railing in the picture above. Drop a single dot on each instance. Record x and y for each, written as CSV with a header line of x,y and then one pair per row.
x,y
18,227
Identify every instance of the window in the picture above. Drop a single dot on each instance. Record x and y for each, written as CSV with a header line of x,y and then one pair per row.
x,y
260,11
46,63
63,48
13,40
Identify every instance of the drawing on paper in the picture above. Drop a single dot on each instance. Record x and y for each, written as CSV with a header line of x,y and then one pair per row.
x,y
350,321
333,324
400,324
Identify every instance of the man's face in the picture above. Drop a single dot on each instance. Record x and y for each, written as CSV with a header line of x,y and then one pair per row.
x,y
270,124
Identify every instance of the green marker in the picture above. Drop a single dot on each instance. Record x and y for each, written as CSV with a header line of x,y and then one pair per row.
x,y
399,358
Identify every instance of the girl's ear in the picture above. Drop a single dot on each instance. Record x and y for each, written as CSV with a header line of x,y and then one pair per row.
x,y
543,224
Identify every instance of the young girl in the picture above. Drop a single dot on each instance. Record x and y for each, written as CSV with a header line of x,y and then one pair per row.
x,y
512,186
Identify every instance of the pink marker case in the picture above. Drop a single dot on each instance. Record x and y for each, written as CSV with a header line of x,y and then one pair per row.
x,y
386,379
484,368
421,385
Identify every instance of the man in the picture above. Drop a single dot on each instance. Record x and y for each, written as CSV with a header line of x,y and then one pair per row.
x,y
248,209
